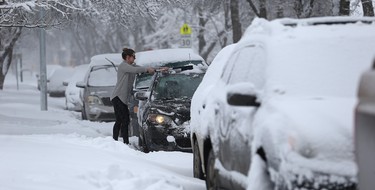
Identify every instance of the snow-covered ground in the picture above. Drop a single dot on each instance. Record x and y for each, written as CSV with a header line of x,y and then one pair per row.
x,y
54,149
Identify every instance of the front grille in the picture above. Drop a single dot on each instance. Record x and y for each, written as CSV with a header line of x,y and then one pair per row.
x,y
185,142
106,101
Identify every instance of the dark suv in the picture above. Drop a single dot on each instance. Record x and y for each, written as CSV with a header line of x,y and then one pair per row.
x,y
164,110
158,58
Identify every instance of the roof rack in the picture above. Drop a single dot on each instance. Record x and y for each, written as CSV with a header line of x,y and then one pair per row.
x,y
326,20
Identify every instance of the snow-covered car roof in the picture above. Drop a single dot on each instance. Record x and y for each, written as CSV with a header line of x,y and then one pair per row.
x,y
315,44
161,56
324,20
100,59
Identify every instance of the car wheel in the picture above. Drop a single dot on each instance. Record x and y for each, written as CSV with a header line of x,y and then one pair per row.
x,y
142,142
83,113
197,162
211,173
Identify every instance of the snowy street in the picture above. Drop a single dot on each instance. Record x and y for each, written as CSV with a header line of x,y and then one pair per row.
x,y
55,149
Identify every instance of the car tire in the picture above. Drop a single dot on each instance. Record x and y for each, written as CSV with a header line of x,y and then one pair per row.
x,y
211,172
83,113
142,142
197,162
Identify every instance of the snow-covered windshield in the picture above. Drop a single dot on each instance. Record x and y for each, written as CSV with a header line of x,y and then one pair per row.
x,y
317,71
104,75
177,86
144,80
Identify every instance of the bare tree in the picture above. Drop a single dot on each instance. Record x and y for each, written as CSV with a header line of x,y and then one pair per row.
x,y
16,15
368,8
236,24
344,9
260,10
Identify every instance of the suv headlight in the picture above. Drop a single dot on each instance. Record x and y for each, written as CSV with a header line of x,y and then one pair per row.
x,y
159,119
94,100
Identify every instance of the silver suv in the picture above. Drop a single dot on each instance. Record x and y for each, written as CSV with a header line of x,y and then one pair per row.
x,y
98,84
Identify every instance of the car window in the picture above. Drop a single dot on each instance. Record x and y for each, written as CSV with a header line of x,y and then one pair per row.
x,y
228,69
102,76
143,81
177,86
249,66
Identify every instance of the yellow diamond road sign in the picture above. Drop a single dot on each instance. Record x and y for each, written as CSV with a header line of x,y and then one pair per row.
x,y
185,30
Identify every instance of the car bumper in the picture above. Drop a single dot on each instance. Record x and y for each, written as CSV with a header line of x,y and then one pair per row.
x,y
315,180
100,113
168,139
73,106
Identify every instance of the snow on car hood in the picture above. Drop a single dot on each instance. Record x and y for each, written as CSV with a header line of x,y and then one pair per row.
x,y
177,109
317,132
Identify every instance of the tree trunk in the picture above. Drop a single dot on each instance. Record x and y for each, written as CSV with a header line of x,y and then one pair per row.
x,y
344,8
236,24
8,38
201,39
262,12
368,8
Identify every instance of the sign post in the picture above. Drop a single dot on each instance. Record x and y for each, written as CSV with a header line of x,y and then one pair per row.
x,y
185,40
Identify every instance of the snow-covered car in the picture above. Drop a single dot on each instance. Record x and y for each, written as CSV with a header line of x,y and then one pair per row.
x,y
55,86
73,94
165,114
98,84
281,113
50,69
365,130
197,109
158,58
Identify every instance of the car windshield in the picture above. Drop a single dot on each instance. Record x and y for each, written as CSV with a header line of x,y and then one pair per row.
x,y
104,75
143,81
177,86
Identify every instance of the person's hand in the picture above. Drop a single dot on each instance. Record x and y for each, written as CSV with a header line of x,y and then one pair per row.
x,y
151,70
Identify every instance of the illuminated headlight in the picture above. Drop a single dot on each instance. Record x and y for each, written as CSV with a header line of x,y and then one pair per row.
x,y
159,119
94,100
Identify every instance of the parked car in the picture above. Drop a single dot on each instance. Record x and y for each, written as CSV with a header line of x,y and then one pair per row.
x,y
73,94
280,115
55,87
158,58
165,114
50,69
198,104
365,130
98,84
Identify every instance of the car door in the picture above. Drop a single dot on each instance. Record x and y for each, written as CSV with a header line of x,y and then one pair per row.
x,y
365,130
234,126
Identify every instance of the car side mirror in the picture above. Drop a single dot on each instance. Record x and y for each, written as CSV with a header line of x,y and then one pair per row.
x,y
141,95
80,85
365,90
243,94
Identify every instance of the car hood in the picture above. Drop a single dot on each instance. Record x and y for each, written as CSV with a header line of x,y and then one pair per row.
x,y
320,129
177,109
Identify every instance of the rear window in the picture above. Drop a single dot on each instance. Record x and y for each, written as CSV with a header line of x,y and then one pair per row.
x,y
105,75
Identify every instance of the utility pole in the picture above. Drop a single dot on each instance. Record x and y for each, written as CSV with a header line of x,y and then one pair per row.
x,y
43,67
